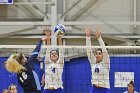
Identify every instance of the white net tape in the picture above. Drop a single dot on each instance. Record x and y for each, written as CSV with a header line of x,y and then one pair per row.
x,y
70,51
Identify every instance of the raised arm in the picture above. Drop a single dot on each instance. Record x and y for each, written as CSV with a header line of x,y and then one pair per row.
x,y
106,57
61,56
90,55
36,51
48,41
34,54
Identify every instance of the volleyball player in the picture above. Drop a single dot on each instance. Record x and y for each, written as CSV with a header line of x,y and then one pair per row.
x,y
13,88
131,88
54,63
26,75
100,64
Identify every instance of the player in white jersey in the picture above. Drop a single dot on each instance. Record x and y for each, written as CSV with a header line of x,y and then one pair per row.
x,y
131,88
54,63
100,64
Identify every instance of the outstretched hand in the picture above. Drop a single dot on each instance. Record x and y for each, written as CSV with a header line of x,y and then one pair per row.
x,y
87,31
98,32
47,32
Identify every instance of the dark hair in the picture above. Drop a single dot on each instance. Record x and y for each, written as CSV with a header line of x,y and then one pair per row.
x,y
99,49
55,50
132,83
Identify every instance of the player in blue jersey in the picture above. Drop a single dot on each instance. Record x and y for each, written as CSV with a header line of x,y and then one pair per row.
x,y
24,68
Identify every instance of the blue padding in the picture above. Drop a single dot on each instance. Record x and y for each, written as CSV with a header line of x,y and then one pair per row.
x,y
125,64
77,74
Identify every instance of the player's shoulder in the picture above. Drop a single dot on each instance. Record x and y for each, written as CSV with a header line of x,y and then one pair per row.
x,y
135,92
125,92
22,71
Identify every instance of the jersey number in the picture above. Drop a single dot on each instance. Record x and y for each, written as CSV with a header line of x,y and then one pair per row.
x,y
23,77
53,70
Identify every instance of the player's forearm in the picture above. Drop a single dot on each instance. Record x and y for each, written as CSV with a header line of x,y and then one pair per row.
x,y
88,43
60,49
48,50
90,55
38,46
48,41
102,44
59,40
105,52
35,52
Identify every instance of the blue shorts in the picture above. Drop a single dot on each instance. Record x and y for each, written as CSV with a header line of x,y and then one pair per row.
x,y
99,90
59,90
38,91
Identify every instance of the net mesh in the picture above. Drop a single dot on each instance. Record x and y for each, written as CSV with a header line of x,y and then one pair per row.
x,y
77,71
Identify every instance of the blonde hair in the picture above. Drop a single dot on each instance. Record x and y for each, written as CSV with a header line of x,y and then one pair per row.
x,y
9,88
5,91
13,63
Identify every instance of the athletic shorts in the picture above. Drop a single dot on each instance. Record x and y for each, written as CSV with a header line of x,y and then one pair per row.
x,y
59,90
95,89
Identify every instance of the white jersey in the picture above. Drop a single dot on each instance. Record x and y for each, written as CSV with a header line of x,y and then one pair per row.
x,y
127,92
100,71
100,74
53,75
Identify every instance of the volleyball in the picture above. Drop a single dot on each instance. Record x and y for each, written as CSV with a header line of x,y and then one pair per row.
x,y
60,29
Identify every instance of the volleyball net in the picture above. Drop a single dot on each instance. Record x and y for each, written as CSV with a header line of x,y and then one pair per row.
x,y
124,66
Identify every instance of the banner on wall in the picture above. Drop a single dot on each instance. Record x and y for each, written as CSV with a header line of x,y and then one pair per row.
x,y
122,79
6,1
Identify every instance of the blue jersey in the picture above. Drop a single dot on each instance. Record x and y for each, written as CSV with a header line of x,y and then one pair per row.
x,y
28,79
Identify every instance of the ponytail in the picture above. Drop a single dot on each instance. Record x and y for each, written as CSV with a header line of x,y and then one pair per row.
x,y
13,64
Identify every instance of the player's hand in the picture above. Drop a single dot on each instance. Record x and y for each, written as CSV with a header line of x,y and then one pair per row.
x,y
47,31
97,85
60,33
98,32
87,31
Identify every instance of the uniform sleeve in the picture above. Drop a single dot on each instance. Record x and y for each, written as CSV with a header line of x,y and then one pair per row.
x,y
47,56
90,55
34,55
106,57
44,65
61,55
125,92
